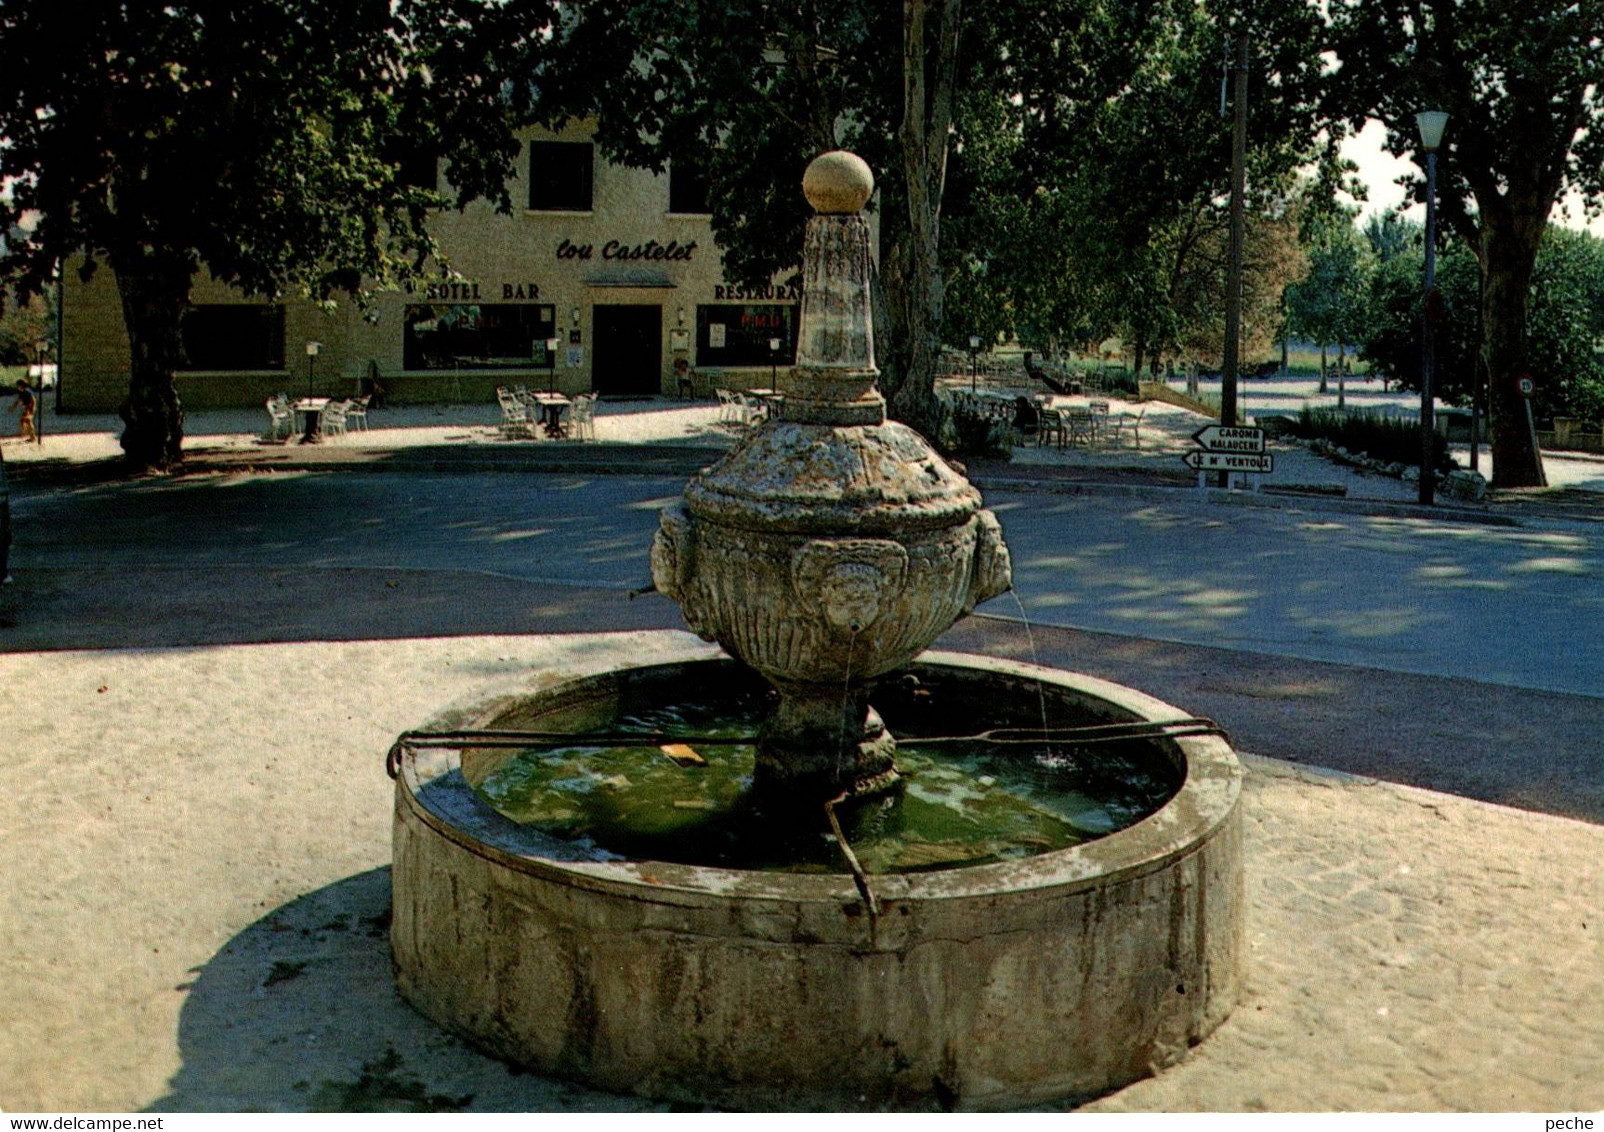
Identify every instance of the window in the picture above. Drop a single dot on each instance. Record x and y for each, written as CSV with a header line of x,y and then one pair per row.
x,y
419,165
739,335
560,176
479,336
232,336
687,186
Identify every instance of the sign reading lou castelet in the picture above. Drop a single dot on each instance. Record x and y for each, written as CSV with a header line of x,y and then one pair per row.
x,y
649,252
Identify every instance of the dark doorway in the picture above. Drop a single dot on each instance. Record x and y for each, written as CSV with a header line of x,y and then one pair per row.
x,y
627,350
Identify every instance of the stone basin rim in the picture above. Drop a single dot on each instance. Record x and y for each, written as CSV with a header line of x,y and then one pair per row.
x,y
1201,806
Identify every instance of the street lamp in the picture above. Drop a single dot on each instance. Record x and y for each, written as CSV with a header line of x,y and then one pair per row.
x,y
774,364
1430,124
974,355
551,356
311,365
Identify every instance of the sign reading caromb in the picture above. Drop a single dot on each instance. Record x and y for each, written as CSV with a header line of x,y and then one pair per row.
x,y
1224,438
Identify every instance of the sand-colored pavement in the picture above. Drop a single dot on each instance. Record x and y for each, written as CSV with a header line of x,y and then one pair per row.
x,y
195,896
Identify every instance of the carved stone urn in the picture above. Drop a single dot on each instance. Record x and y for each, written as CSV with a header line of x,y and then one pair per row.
x,y
831,546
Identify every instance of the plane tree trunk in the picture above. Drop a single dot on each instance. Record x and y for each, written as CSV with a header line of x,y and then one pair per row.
x,y
1508,260
929,61
154,290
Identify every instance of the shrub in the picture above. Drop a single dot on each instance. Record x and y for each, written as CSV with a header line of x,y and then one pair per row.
x,y
1121,383
1391,439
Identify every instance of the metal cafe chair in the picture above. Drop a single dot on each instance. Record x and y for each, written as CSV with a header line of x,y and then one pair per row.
x,y
332,423
279,413
515,420
1081,426
1049,422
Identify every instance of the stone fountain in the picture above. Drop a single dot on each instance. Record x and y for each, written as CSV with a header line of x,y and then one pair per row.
x,y
832,546
825,553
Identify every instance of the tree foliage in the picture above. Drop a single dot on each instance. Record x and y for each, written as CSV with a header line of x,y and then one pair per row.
x,y
1566,324
1328,304
1524,88
1079,132
255,137
1109,218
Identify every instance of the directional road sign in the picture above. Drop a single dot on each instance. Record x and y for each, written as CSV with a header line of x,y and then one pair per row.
x,y
1222,438
1261,463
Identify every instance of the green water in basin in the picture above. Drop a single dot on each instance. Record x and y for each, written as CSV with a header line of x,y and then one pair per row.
x,y
961,804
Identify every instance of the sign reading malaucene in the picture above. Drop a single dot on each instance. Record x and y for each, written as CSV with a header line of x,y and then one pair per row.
x,y
1259,462
1224,438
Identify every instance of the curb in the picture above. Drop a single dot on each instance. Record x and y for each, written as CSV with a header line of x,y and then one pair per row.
x,y
1273,501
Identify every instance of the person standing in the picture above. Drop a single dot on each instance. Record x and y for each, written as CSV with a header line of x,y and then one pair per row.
x,y
27,403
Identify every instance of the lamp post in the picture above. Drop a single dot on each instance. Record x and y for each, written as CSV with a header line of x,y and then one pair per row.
x,y
774,364
974,356
311,365
551,356
1430,124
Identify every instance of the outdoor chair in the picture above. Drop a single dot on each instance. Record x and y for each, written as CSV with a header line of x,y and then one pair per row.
x,y
356,412
582,417
1126,422
1080,425
726,406
332,423
1049,423
279,413
515,420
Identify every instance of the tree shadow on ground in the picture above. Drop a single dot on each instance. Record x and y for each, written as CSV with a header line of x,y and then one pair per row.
x,y
169,606
1528,749
299,1012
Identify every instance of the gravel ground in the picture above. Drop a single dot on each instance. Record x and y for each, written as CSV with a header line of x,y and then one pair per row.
x,y
196,890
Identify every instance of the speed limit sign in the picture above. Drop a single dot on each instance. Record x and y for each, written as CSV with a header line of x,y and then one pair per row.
x,y
1526,385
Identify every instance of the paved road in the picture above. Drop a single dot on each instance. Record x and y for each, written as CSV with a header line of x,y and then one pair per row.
x,y
1513,605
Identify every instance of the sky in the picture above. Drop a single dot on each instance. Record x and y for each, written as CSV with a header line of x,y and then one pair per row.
x,y
1379,170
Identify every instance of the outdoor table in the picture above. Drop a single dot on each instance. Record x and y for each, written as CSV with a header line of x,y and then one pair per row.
x,y
773,398
552,407
312,408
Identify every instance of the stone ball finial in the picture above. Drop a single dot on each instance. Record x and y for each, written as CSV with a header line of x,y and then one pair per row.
x,y
838,181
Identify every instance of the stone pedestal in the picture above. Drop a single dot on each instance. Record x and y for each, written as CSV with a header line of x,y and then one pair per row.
x,y
831,546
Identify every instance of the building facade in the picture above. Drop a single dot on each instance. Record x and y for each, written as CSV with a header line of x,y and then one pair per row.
x,y
600,280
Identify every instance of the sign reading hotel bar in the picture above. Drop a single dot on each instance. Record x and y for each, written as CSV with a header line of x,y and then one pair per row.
x,y
1259,463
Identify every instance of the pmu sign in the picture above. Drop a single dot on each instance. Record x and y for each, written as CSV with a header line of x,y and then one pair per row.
x,y
1226,438
1257,462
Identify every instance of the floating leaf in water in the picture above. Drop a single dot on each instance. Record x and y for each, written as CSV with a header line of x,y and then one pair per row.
x,y
683,755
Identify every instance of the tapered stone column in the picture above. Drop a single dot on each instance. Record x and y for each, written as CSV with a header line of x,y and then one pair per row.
x,y
831,546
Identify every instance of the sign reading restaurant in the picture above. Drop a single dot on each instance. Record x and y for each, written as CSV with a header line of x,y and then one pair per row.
x,y
651,250
791,293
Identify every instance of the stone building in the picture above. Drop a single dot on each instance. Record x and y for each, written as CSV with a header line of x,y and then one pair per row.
x,y
599,280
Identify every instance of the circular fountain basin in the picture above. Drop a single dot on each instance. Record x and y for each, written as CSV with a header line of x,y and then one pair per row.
x,y
1059,975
